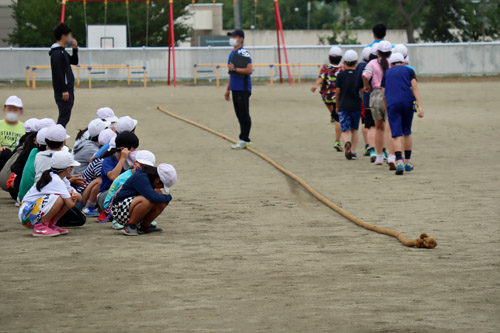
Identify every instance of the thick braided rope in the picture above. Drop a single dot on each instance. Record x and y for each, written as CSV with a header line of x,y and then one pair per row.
x,y
423,241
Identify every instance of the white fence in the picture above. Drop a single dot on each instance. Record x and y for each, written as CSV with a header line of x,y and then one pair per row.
x,y
427,59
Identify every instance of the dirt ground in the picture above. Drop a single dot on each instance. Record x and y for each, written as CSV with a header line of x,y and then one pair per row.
x,y
247,250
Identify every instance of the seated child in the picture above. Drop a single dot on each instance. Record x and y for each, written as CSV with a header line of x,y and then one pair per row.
x,y
141,158
28,176
26,145
92,175
123,124
116,164
139,199
93,170
11,129
106,115
85,149
50,198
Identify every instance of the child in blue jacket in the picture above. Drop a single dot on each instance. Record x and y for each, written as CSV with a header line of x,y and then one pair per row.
x,y
140,200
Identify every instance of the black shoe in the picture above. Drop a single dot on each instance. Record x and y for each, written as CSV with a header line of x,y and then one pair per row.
x,y
348,152
149,229
130,230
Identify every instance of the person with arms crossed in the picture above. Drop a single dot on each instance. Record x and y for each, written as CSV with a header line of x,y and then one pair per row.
x,y
240,85
63,80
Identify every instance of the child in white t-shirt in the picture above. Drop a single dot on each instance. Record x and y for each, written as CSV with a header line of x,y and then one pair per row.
x,y
50,198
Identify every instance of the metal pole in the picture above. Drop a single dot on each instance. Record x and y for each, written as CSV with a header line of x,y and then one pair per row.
x,y
147,22
128,24
169,51
283,39
278,43
172,36
63,10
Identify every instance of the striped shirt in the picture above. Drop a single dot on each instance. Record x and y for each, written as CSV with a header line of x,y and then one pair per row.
x,y
91,172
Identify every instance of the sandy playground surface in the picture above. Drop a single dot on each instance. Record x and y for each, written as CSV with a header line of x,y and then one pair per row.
x,y
247,250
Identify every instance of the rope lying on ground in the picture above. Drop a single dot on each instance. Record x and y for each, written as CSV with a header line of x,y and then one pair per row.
x,y
423,242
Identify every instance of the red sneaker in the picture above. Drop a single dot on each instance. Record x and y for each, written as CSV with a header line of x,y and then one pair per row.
x,y
102,217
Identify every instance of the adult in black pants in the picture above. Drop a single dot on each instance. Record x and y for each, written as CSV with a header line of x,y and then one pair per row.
x,y
240,85
63,80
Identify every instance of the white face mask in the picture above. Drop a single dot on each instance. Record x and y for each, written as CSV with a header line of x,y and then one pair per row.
x,y
12,116
233,41
69,42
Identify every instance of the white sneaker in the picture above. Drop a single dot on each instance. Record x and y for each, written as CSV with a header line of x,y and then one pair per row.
x,y
241,145
379,160
391,160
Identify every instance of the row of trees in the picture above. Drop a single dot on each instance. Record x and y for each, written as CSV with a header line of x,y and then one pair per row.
x,y
36,19
436,21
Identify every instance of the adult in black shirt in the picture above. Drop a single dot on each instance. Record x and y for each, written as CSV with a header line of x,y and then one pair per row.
x,y
63,80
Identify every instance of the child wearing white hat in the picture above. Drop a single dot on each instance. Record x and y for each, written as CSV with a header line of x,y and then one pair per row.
x,y
107,114
123,124
349,104
85,149
55,137
374,72
402,97
11,129
367,121
50,198
327,80
26,145
140,201
55,140
140,158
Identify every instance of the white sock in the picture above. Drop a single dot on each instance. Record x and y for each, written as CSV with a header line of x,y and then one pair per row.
x,y
90,204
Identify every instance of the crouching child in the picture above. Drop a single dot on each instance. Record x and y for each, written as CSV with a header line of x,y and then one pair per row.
x,y
140,200
50,198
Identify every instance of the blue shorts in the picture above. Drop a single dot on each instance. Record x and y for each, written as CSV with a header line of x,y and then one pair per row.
x,y
349,120
400,118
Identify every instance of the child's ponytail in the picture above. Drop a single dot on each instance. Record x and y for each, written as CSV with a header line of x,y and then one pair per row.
x,y
46,178
384,63
80,133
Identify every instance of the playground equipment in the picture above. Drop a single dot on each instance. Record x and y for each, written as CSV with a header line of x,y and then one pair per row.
x,y
171,39
91,71
171,43
296,68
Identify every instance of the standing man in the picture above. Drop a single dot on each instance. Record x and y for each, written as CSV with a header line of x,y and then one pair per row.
x,y
240,85
63,80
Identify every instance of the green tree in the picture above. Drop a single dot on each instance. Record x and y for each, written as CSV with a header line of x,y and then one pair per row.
x,y
293,14
36,19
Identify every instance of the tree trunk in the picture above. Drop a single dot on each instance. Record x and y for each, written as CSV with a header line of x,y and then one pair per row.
x,y
410,32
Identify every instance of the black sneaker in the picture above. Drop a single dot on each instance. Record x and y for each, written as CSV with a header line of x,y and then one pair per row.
x,y
348,152
149,229
130,230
